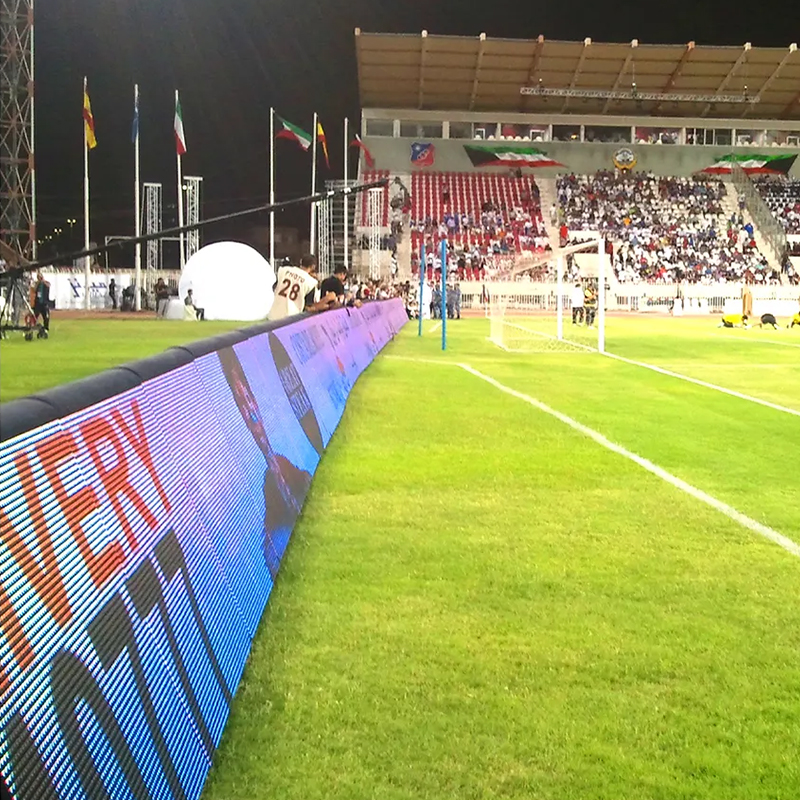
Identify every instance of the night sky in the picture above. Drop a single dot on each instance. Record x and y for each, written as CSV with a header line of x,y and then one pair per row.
x,y
232,59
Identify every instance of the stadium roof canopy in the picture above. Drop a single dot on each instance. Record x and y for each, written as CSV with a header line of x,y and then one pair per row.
x,y
411,71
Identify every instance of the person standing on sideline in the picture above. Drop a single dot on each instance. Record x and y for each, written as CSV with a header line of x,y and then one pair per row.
x,y
41,300
590,305
577,304
112,294
436,302
162,298
747,301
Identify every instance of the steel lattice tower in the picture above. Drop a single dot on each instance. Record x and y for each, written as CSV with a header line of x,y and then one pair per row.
x,y
17,177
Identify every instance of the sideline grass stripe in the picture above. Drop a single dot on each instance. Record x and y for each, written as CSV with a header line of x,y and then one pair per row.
x,y
705,384
730,512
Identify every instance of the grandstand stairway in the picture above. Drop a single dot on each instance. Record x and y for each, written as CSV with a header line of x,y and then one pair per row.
x,y
548,195
730,205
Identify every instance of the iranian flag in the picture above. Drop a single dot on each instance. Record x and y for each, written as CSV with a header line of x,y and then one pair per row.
x,y
752,164
293,134
501,155
180,136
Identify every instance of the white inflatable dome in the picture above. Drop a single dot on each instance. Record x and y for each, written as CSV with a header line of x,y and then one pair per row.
x,y
230,280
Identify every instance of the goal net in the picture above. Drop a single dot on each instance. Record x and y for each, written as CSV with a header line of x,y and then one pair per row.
x,y
562,312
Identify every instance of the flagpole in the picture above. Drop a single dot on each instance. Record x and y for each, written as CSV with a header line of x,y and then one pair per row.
x,y
312,237
137,222
86,244
272,186
346,199
180,193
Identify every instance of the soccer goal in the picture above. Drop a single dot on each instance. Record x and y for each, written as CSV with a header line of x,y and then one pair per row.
x,y
563,313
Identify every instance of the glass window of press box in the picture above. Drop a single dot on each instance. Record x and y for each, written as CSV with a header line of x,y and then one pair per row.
x,y
607,134
460,130
746,138
424,130
380,127
566,133
718,136
646,135
782,138
524,132
486,130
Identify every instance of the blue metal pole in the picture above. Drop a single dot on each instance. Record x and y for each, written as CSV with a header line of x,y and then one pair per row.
x,y
444,294
421,284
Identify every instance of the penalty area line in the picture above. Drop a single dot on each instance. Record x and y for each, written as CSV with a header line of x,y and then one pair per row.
x,y
758,341
704,384
730,512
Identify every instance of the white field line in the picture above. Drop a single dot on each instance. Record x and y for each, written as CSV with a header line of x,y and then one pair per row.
x,y
758,341
415,360
705,384
435,327
730,512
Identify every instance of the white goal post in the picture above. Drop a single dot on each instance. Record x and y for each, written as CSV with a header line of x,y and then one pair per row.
x,y
535,323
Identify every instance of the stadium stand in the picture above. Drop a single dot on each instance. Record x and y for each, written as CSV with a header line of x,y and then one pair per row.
x,y
371,176
782,196
665,228
480,215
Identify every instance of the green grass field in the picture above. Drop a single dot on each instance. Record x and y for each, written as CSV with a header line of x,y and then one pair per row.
x,y
481,602
77,348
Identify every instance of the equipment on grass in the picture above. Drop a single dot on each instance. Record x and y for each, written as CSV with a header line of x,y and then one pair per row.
x,y
522,322
16,313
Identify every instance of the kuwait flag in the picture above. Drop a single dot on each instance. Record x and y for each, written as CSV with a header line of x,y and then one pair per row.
x,y
752,164
180,136
500,155
293,134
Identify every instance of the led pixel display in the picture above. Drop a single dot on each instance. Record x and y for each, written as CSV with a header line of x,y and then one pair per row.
x,y
140,538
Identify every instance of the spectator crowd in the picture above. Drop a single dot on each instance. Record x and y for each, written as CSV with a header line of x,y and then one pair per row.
x,y
782,196
664,229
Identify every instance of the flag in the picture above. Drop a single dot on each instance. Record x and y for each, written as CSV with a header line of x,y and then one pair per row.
x,y
180,136
293,133
501,155
370,161
88,121
135,127
752,164
324,142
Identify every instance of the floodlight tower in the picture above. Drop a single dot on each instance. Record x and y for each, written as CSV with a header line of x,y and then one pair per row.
x,y
17,172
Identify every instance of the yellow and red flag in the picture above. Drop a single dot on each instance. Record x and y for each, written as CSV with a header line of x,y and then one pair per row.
x,y
324,142
88,121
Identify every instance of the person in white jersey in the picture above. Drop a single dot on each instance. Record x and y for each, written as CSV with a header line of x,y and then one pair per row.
x,y
295,289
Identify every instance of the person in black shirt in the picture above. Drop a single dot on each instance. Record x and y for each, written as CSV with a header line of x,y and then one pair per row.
x,y
41,300
112,294
335,283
